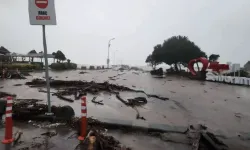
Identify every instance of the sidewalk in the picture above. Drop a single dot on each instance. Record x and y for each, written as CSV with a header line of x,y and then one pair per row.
x,y
32,139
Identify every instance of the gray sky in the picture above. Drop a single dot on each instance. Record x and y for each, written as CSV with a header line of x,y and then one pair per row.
x,y
85,26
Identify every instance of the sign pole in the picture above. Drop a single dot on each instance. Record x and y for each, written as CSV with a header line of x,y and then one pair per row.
x,y
42,12
46,70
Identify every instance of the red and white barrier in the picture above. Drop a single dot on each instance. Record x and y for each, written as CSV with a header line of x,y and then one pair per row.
x,y
83,119
8,122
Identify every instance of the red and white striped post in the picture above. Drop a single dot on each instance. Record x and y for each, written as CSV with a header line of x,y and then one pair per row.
x,y
8,122
83,119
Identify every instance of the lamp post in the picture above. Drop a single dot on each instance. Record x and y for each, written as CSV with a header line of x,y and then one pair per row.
x,y
108,51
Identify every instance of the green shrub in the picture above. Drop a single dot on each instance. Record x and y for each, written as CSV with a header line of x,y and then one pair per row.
x,y
63,66
22,66
40,64
91,67
83,68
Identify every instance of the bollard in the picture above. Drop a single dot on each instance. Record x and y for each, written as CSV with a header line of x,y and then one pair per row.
x,y
8,122
83,128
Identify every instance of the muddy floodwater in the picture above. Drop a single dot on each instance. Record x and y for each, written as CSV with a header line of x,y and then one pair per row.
x,y
223,108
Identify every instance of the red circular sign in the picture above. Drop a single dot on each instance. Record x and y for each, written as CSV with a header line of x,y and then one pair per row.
x,y
42,3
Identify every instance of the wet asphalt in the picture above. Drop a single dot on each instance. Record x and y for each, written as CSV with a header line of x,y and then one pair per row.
x,y
223,108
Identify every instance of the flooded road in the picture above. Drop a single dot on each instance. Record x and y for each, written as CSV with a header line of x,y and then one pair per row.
x,y
223,108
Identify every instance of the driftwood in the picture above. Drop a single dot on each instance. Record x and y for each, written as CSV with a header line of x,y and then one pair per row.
x,y
138,101
17,85
81,88
64,98
97,102
17,137
155,96
138,116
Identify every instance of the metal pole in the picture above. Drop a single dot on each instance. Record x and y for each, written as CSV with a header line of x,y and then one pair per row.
x,y
46,71
108,52
108,55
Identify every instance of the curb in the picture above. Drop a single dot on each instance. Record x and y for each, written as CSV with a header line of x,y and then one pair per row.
x,y
142,125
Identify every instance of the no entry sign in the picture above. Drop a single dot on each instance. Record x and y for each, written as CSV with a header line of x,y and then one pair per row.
x,y
41,3
42,12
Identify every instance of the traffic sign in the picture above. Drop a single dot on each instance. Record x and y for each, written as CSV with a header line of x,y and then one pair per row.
x,y
42,12
41,3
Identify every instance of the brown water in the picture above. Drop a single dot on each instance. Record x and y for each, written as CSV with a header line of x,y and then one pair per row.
x,y
222,108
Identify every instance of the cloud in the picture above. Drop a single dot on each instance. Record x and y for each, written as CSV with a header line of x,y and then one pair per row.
x,y
84,28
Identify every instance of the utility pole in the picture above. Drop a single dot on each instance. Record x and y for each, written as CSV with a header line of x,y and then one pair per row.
x,y
108,60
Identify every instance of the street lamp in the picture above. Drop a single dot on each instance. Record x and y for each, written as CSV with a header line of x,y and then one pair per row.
x,y
108,51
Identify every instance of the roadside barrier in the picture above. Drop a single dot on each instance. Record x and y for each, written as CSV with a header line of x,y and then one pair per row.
x,y
8,122
83,119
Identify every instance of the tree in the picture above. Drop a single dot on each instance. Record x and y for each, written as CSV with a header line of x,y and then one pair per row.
x,y
68,60
177,50
59,56
213,57
152,60
32,52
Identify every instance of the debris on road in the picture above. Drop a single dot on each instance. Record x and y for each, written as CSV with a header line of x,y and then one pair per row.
x,y
200,138
50,134
17,84
138,101
135,73
238,115
82,72
17,137
158,97
97,102
72,87
97,140
63,98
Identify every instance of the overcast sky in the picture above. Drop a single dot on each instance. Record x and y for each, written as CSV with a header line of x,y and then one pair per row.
x,y
85,26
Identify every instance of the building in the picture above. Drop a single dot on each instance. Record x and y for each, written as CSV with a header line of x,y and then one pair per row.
x,y
247,66
4,51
